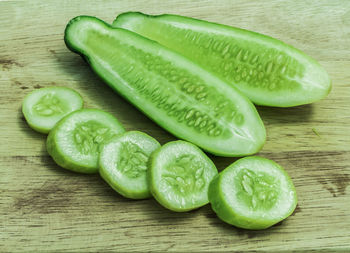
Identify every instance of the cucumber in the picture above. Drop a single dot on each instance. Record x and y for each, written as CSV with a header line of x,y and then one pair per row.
x,y
123,163
253,193
179,176
75,141
44,107
266,70
176,93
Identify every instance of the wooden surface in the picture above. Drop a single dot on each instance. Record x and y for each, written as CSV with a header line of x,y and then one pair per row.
x,y
46,208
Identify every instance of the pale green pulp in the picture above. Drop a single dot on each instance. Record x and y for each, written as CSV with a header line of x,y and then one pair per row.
x,y
266,70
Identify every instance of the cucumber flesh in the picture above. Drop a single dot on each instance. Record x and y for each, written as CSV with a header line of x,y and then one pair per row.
x,y
179,176
75,141
124,163
266,70
177,94
44,107
253,193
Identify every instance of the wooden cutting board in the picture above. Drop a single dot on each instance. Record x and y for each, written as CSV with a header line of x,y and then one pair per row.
x,y
46,208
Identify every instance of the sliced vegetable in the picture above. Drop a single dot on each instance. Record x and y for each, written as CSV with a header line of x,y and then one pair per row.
x,y
177,94
179,176
266,70
75,141
44,107
253,193
123,163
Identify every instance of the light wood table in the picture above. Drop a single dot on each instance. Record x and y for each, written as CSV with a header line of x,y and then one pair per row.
x,y
46,208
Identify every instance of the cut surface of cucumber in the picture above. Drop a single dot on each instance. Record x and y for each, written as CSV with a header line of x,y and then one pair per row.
x,y
265,69
179,176
124,163
43,108
75,141
253,193
177,94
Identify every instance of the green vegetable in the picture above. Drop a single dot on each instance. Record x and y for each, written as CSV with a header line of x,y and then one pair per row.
x,y
253,193
123,163
266,70
75,141
179,176
43,108
177,94
316,132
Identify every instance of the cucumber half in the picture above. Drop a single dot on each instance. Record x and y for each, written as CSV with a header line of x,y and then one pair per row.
x,y
176,93
124,163
266,70
75,141
253,193
44,107
179,176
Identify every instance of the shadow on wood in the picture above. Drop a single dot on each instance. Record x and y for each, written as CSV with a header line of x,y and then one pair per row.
x,y
289,115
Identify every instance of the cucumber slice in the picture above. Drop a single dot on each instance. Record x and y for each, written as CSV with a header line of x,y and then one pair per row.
x,y
253,193
75,141
44,107
177,94
179,176
123,163
266,70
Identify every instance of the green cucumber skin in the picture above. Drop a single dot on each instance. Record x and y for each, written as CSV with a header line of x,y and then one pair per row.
x,y
60,159
27,111
153,188
58,155
154,185
312,85
231,146
223,210
121,191
127,193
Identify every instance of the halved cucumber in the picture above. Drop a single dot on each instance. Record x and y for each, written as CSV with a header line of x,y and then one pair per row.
x,y
253,193
266,70
44,107
179,176
75,141
123,163
177,94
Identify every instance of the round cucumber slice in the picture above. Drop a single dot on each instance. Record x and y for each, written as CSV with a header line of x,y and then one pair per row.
x,y
123,163
179,176
253,193
75,141
44,107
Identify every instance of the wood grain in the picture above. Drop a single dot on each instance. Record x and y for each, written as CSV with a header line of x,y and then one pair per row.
x,y
45,208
